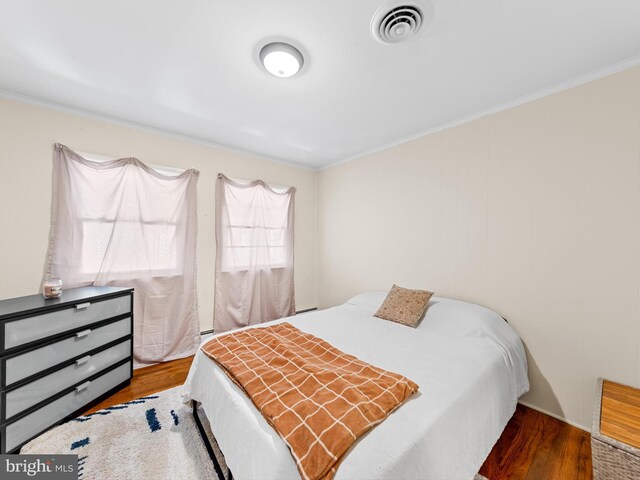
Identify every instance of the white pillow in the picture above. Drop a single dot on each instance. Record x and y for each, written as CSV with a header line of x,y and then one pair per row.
x,y
370,301
461,319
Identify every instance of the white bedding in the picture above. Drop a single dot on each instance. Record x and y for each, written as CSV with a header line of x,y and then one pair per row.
x,y
470,366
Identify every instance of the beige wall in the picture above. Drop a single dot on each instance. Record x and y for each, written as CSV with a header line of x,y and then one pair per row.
x,y
26,136
533,212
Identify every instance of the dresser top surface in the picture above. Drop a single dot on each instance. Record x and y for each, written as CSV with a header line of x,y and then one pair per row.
x,y
19,305
620,414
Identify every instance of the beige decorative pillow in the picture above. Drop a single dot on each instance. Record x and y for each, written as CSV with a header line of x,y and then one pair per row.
x,y
404,306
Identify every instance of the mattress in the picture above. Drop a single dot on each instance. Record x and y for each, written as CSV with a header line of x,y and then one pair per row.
x,y
470,366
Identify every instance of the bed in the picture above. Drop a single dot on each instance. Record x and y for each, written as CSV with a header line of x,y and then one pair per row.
x,y
470,366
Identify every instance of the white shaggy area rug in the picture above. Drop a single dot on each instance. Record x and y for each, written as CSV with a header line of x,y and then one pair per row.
x,y
152,437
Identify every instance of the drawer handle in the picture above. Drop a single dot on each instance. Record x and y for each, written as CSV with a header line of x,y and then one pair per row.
x,y
80,388
83,333
81,306
82,360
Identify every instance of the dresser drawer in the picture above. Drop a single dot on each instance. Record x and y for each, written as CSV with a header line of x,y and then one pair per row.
x,y
23,365
28,395
26,330
18,432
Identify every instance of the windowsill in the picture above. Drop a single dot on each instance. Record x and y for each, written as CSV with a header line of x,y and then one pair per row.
x,y
157,274
246,269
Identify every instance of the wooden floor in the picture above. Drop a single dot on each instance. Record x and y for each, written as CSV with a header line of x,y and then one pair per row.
x,y
533,445
536,446
148,380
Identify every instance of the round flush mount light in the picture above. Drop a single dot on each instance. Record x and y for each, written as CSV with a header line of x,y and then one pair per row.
x,y
281,59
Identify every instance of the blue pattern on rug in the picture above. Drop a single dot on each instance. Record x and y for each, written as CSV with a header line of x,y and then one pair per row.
x,y
176,420
90,416
80,443
109,410
81,462
140,400
152,420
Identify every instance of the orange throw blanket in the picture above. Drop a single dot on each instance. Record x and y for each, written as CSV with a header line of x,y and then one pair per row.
x,y
319,399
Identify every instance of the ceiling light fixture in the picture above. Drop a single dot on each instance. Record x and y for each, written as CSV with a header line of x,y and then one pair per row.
x,y
281,59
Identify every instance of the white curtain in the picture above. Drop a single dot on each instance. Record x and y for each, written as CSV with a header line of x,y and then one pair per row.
x,y
254,254
121,223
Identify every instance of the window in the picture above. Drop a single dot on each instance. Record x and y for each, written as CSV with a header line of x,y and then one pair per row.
x,y
256,229
120,222
254,253
160,257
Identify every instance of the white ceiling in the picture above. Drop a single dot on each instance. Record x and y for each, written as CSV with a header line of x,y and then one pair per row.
x,y
188,67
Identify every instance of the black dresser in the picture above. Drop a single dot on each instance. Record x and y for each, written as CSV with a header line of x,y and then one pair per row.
x,y
60,356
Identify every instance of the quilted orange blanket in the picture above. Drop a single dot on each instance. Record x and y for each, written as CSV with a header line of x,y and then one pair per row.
x,y
319,399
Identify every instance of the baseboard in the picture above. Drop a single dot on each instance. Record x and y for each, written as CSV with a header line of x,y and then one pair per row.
x,y
557,417
306,310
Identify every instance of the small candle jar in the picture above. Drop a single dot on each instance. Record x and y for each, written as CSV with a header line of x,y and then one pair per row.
x,y
52,288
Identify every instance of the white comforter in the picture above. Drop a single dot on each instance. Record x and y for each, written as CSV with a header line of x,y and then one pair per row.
x,y
470,366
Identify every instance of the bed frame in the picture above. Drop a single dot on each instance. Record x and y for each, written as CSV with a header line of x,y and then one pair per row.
x,y
207,444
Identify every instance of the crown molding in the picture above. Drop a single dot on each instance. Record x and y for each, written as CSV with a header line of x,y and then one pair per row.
x,y
38,102
516,102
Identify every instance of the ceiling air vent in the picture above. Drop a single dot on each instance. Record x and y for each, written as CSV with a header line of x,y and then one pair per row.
x,y
398,24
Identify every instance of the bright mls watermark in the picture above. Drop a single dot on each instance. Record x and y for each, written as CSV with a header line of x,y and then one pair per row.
x,y
51,467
